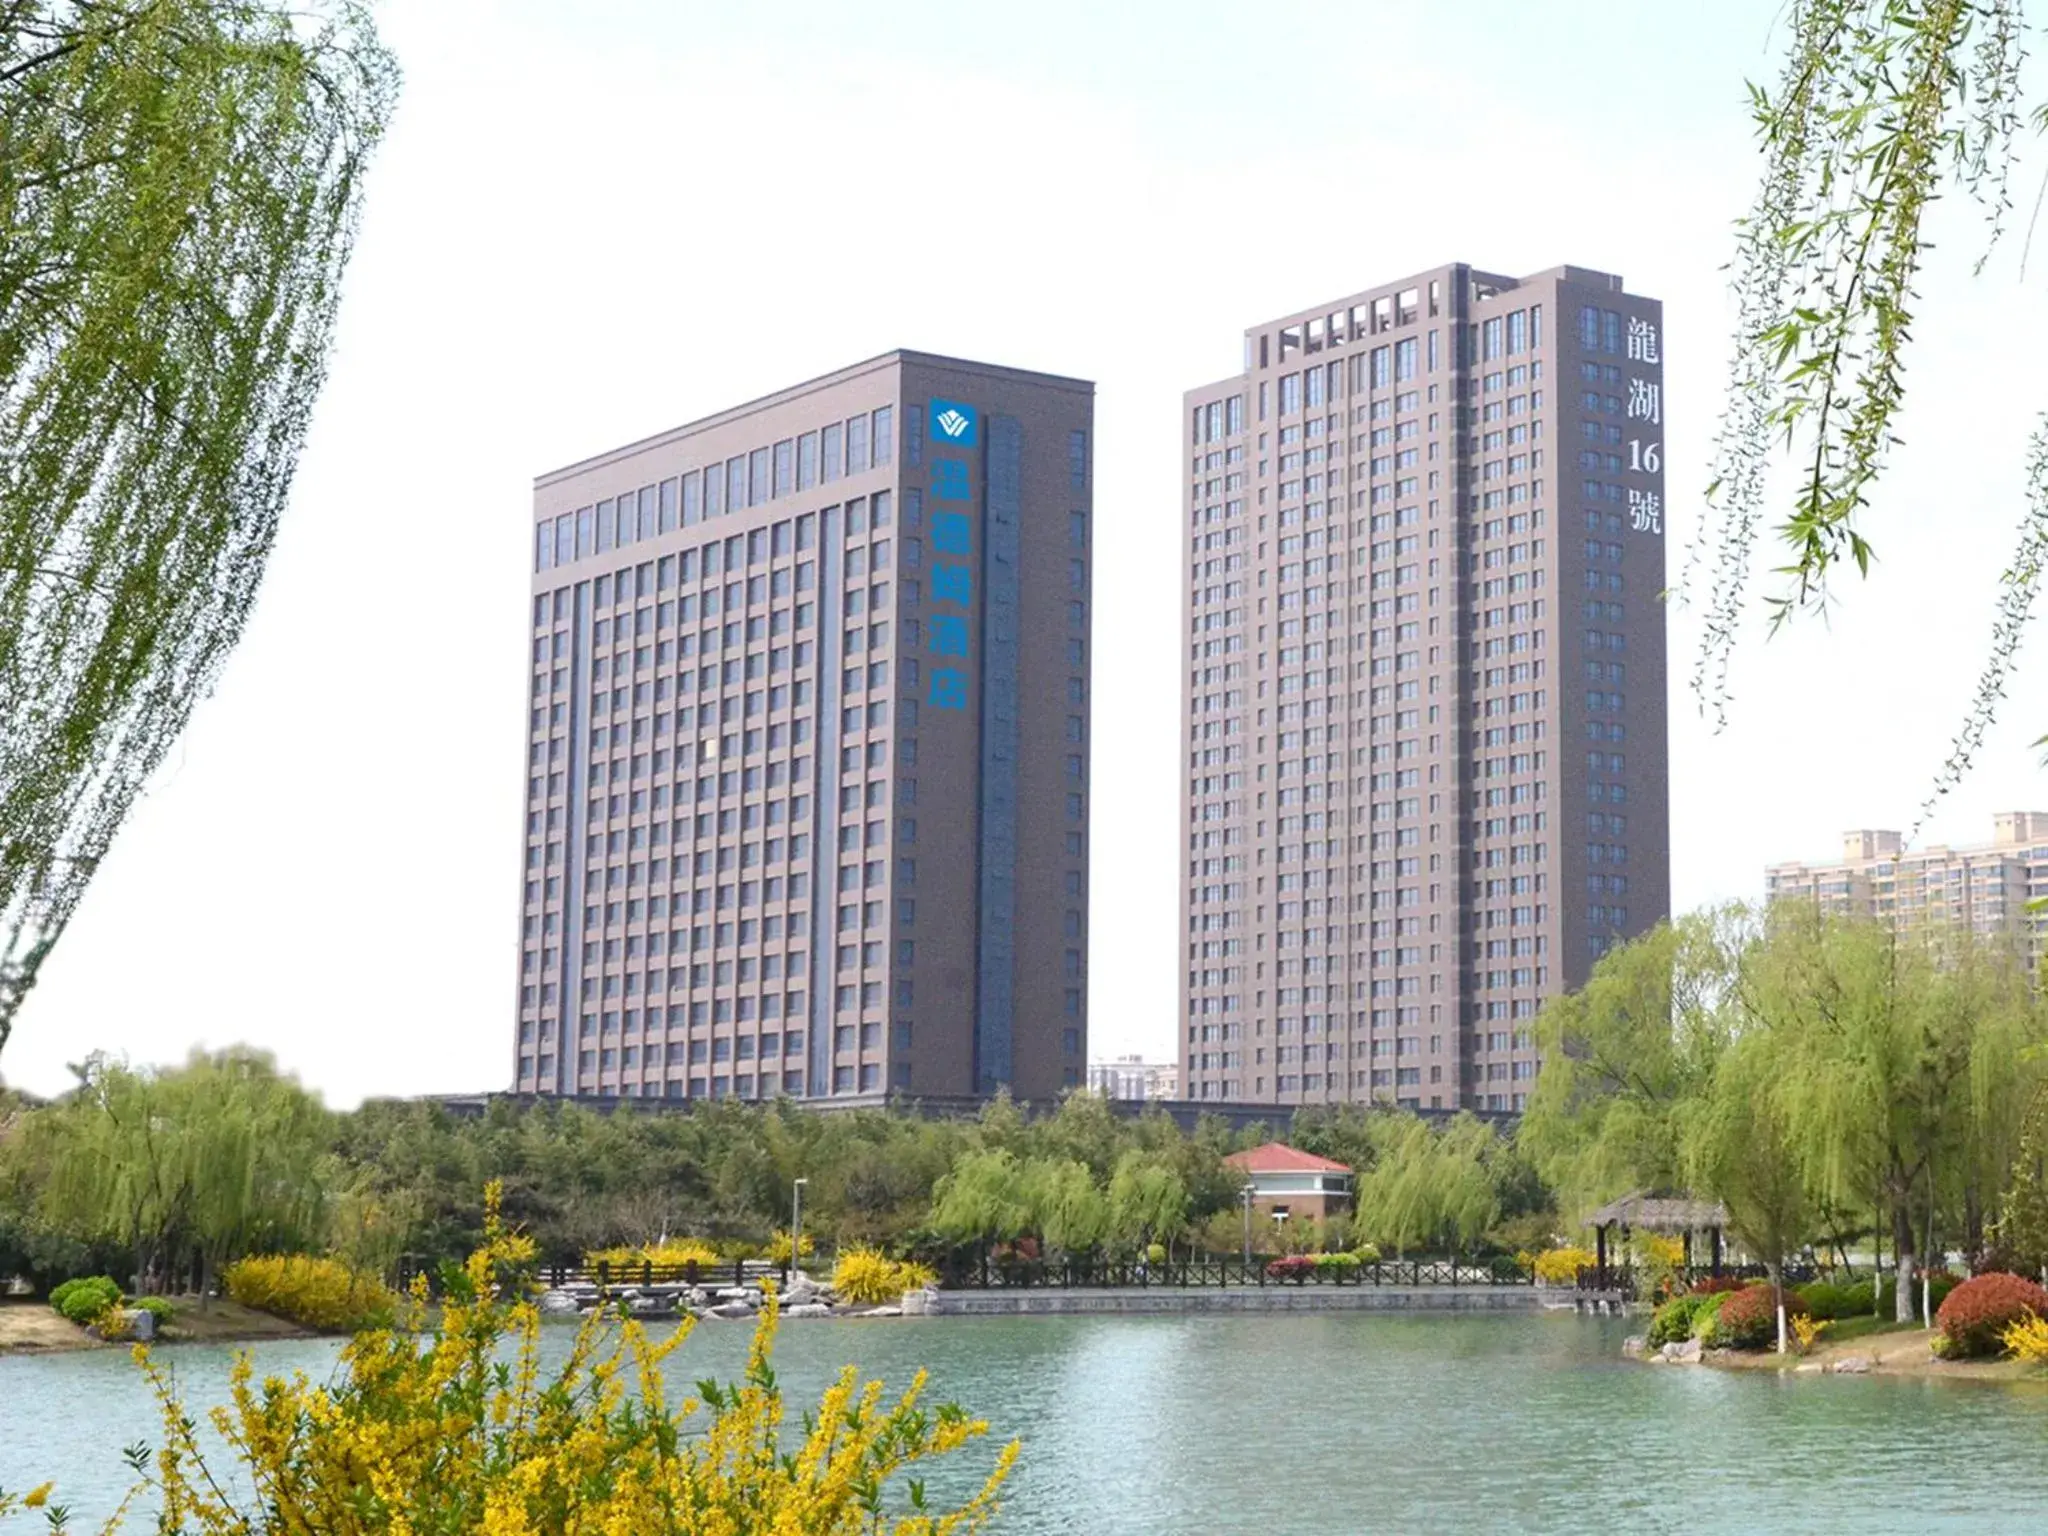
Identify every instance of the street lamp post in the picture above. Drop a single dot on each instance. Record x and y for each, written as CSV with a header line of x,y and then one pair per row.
x,y
796,1227
1245,1195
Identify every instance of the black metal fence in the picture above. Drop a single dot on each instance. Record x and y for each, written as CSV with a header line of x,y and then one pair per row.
x,y
997,1275
1622,1277
612,1276
971,1273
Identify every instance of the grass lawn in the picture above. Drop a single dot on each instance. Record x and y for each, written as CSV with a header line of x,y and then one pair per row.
x,y
1843,1329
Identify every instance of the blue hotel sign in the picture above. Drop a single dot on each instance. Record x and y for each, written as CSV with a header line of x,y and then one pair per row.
x,y
953,426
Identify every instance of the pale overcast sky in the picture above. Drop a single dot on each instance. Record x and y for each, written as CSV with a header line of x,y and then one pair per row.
x,y
593,222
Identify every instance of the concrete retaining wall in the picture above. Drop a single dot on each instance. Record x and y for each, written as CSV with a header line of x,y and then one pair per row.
x,y
1270,1298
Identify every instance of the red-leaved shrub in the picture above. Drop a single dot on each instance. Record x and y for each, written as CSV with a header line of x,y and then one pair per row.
x,y
1295,1266
1713,1284
1977,1312
1749,1318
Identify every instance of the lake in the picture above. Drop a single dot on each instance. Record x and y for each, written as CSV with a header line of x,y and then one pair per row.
x,y
1286,1424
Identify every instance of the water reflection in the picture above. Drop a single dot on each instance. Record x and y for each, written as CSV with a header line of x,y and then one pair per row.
x,y
1292,1424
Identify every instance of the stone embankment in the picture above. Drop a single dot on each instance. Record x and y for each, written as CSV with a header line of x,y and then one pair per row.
x,y
803,1297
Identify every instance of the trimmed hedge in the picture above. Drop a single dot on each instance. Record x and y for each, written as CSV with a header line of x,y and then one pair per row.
x,y
82,1301
1672,1323
1748,1319
1974,1316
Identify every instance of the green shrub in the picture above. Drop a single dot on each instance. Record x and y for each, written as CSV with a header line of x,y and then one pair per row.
x,y
82,1301
1343,1261
157,1307
1826,1301
1155,1253
1706,1313
1673,1322
1856,1300
1368,1253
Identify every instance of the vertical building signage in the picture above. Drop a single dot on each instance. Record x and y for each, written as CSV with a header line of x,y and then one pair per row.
x,y
955,429
1646,417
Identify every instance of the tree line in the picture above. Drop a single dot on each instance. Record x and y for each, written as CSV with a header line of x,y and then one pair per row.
x,y
1830,1083
167,1175
1827,1080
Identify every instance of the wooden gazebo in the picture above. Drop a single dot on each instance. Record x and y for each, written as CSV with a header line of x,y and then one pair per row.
x,y
1666,1214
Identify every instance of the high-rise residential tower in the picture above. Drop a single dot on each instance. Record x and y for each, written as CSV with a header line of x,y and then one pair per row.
x,y
1425,718
1991,889
807,759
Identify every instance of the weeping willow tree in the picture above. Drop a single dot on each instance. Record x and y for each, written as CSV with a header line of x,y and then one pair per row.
x,y
1429,1187
179,188
1882,107
188,1168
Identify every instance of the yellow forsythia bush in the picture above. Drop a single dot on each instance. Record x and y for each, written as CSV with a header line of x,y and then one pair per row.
x,y
442,1430
872,1278
674,1252
1659,1249
2027,1340
777,1251
1561,1266
314,1293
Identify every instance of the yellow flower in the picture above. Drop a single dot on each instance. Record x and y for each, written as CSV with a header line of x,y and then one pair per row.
x,y
431,1429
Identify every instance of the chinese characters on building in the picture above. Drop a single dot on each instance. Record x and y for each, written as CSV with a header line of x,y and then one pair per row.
x,y
1645,414
952,541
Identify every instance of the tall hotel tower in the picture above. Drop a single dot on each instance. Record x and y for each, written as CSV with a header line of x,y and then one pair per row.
x,y
807,760
1425,719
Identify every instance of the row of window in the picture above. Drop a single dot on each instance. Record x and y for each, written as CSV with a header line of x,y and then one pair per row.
x,y
747,480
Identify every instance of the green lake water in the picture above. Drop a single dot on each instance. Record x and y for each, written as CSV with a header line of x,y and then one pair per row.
x,y
1285,1424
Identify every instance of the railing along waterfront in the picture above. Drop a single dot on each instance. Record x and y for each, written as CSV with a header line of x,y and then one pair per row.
x,y
995,1275
608,1276
1622,1277
989,1274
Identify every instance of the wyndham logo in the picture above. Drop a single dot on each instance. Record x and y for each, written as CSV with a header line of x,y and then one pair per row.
x,y
953,423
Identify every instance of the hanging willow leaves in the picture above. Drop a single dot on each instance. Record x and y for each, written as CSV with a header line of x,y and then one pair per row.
x,y
1881,107
179,189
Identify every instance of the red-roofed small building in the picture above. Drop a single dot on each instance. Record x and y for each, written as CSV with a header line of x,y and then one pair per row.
x,y
1291,1184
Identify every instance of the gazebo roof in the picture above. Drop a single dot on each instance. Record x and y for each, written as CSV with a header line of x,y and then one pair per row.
x,y
1660,1213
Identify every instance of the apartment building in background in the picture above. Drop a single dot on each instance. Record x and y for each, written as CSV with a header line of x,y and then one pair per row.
x,y
1986,888
1134,1078
1425,684
808,749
